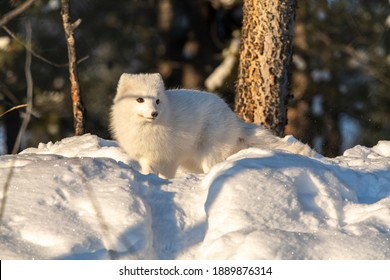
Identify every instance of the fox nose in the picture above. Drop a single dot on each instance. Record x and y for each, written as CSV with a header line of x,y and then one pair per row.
x,y
154,114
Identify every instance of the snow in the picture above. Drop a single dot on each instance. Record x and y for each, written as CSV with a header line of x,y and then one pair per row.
x,y
78,199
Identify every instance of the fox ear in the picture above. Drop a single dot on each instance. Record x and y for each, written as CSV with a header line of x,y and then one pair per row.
x,y
123,80
157,80
156,76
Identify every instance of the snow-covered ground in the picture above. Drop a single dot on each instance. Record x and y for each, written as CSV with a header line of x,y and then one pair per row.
x,y
77,199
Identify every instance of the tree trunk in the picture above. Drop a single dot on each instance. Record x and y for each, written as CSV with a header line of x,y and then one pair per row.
x,y
265,62
299,111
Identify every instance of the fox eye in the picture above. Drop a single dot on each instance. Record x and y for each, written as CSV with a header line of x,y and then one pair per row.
x,y
158,101
140,100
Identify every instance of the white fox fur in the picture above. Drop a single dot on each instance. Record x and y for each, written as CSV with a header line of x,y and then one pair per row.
x,y
164,129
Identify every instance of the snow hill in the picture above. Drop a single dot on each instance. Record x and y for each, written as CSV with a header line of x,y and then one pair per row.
x,y
77,199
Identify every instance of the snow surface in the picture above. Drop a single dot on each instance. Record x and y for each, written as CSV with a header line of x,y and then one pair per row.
x,y
78,199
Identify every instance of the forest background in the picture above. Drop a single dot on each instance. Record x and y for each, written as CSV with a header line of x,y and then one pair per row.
x,y
340,80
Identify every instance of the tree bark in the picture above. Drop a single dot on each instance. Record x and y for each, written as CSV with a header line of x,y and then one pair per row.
x,y
78,108
263,85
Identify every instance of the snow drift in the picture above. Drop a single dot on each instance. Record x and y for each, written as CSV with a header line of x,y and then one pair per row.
x,y
78,199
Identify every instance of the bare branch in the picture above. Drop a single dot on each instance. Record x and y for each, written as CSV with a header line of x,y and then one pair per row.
x,y
29,81
15,12
353,53
5,90
12,109
26,120
78,108
35,54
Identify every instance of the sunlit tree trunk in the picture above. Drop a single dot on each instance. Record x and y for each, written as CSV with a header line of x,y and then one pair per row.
x,y
265,61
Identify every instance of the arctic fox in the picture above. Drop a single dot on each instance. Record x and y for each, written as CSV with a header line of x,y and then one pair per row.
x,y
164,129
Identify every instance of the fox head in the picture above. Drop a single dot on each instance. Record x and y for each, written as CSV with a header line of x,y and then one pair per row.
x,y
142,94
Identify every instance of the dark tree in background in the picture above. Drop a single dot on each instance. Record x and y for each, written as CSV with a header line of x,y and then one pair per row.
x,y
341,74
263,85
186,51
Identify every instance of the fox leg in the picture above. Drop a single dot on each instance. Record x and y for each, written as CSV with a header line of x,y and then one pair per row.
x,y
147,167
